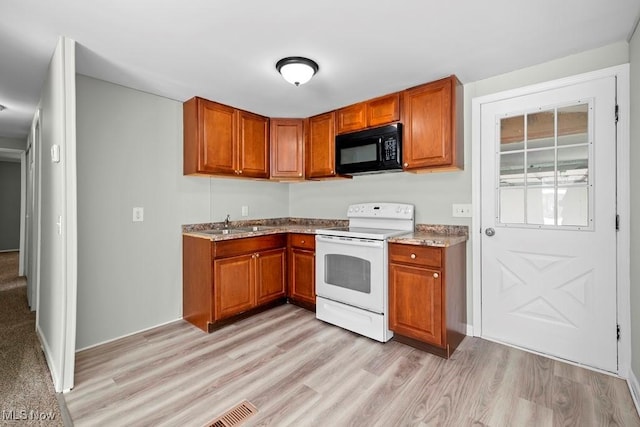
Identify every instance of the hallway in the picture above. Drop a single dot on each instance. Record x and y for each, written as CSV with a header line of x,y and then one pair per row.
x,y
26,389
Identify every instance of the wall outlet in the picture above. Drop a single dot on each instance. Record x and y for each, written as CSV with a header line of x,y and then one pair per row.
x,y
462,210
138,214
245,211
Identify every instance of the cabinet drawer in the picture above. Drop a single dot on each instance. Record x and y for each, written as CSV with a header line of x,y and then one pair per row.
x,y
303,241
416,255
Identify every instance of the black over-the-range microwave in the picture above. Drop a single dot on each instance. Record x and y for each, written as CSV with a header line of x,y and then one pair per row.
x,y
370,151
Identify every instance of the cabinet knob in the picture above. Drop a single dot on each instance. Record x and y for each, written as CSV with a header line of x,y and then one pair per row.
x,y
240,171
413,256
302,241
299,174
406,165
257,255
436,275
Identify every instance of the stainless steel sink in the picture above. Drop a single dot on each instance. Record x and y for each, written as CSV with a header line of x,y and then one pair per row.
x,y
225,231
255,228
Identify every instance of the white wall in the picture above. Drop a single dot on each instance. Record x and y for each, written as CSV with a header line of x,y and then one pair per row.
x,y
130,155
55,321
635,209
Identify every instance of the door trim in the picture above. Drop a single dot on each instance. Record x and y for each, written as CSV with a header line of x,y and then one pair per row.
x,y
621,72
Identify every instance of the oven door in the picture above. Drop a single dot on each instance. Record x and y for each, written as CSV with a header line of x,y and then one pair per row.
x,y
351,271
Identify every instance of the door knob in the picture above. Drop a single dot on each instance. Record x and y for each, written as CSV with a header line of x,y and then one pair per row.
x,y
489,231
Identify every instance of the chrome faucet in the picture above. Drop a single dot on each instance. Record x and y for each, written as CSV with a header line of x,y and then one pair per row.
x,y
226,221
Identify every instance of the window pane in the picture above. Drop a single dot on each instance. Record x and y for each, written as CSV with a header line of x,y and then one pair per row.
x,y
541,167
573,206
573,124
512,205
512,133
541,129
573,164
541,206
511,169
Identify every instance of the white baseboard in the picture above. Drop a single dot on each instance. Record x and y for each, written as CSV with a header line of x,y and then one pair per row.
x,y
634,388
10,250
55,376
127,335
469,330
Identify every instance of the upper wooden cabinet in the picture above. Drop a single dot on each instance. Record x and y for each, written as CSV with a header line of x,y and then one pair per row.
x,y
287,149
375,112
320,146
222,140
432,134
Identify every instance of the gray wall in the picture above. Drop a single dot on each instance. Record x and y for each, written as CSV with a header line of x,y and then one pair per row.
x,y
635,208
9,206
13,143
130,155
433,194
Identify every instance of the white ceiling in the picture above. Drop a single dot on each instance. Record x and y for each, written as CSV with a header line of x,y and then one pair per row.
x,y
226,50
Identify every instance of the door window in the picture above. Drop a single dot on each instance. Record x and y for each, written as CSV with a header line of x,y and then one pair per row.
x,y
545,159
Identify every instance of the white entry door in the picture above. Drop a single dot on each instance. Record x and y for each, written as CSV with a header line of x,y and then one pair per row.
x,y
548,242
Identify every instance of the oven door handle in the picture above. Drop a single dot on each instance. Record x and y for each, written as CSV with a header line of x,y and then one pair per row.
x,y
350,241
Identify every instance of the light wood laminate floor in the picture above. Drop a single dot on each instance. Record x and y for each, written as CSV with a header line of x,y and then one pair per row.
x,y
299,371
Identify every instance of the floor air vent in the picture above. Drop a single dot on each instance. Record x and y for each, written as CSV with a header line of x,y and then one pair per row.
x,y
235,416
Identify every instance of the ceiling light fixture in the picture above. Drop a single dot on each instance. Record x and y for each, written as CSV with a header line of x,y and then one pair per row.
x,y
296,69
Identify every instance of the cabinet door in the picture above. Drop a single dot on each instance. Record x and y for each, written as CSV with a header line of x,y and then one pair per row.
x,y
351,118
234,290
217,152
253,145
287,148
320,151
270,273
427,134
302,275
415,303
383,110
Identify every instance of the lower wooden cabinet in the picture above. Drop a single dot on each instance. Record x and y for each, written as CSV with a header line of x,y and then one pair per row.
x,y
270,271
234,287
302,259
230,278
427,296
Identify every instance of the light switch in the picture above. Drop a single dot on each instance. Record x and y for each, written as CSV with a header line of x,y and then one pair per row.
x,y
55,153
138,214
245,211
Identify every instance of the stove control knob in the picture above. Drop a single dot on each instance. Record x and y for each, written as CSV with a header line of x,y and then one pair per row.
x,y
398,209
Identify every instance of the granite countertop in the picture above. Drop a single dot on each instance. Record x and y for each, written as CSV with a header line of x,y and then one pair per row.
x,y
264,227
424,235
434,235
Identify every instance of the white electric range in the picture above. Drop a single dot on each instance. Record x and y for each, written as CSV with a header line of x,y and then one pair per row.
x,y
352,268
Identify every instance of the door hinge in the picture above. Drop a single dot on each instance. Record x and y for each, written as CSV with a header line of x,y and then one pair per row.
x,y
617,222
618,332
617,109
